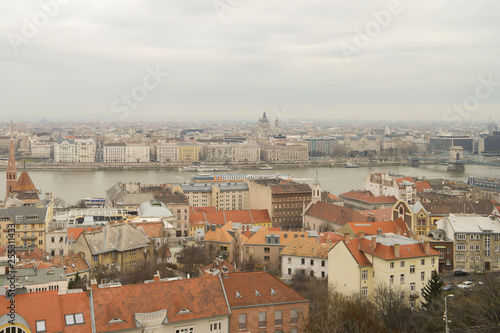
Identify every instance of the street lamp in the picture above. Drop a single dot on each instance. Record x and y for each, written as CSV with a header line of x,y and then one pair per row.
x,y
446,311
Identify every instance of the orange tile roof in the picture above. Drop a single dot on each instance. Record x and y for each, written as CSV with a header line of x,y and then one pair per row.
x,y
247,216
359,256
332,237
306,248
259,238
37,254
152,229
204,271
423,186
69,261
332,196
382,214
30,263
334,213
247,283
74,233
367,196
203,297
387,252
76,303
35,306
208,209
386,227
402,179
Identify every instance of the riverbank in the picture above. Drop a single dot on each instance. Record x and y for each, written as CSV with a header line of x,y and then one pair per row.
x,y
174,166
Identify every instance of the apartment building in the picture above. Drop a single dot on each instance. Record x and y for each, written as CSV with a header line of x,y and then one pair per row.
x,y
307,256
476,241
358,265
279,153
42,149
121,152
74,150
383,184
362,200
223,196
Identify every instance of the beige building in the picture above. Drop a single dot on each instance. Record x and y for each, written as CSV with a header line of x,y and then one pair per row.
x,y
188,152
74,151
30,224
166,152
476,239
224,196
274,153
42,149
116,247
358,266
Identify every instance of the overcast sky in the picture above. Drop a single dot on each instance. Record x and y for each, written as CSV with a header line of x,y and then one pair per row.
x,y
234,59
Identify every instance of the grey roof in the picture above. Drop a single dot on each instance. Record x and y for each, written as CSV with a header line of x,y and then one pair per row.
x,y
154,208
33,211
123,198
390,239
30,276
117,237
474,224
207,187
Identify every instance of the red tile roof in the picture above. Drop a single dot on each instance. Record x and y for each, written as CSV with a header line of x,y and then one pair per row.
x,y
203,297
74,233
400,180
152,229
330,237
353,247
220,264
24,183
382,214
385,226
336,214
76,303
387,252
35,306
69,261
209,209
423,186
247,284
37,254
367,196
248,216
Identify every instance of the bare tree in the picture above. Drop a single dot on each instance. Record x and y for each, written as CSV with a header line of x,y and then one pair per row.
x,y
391,307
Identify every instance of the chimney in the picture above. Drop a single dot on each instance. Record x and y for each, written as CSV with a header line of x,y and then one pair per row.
x,y
396,250
427,247
361,234
374,243
156,277
399,231
346,237
93,284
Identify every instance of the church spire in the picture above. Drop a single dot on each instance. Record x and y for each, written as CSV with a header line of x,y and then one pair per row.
x,y
11,170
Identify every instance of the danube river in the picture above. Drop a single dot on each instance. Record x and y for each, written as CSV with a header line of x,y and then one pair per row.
x,y
73,185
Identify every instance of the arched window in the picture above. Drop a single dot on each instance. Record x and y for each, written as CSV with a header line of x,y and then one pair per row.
x,y
13,329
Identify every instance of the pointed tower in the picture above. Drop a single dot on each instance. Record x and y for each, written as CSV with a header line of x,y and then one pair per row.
x,y
276,127
11,170
316,190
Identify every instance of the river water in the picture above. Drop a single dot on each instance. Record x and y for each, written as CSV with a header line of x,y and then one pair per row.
x,y
73,185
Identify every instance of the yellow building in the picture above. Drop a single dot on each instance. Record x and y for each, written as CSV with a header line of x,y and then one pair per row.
x,y
30,224
188,152
358,266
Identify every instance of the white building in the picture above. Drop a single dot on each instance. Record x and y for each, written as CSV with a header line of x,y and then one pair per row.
x,y
166,152
137,153
42,149
305,255
383,184
125,153
74,150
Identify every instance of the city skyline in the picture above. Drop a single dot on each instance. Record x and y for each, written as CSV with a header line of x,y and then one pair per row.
x,y
225,60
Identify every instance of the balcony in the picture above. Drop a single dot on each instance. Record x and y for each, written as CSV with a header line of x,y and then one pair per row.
x,y
414,294
28,238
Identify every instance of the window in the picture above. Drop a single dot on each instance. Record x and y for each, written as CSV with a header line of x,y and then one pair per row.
x,y
402,264
262,319
364,274
460,257
471,237
422,262
289,271
289,260
412,269
323,263
433,260
461,247
471,247
478,247
392,264
364,291
266,258
302,261
391,280
189,329
497,248
461,237
278,321
95,257
312,262
402,279
267,250
242,320
422,276
74,319
40,326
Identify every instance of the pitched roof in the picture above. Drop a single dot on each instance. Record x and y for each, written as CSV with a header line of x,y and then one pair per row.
x,y
401,181
381,214
386,252
221,217
353,247
37,254
306,248
216,267
153,229
24,183
367,196
208,209
256,289
336,214
74,233
290,188
76,303
202,297
73,262
423,186
117,237
481,207
259,237
384,226
331,237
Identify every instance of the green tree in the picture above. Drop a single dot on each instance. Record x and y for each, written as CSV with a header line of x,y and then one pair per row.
x,y
432,290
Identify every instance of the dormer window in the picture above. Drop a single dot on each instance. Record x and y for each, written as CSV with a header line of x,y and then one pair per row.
x,y
183,311
115,320
273,292
238,295
257,292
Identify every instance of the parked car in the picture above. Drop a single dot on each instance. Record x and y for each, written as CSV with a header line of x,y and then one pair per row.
x,y
479,271
460,273
466,285
449,287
